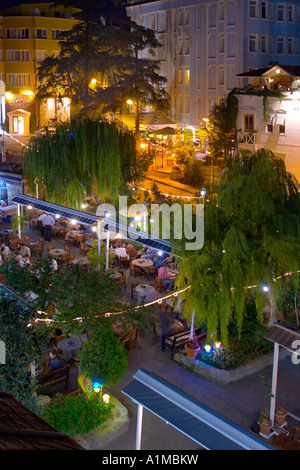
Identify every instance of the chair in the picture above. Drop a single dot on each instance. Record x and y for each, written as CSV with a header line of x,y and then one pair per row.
x,y
24,239
79,239
122,282
133,286
37,249
130,341
57,339
62,259
83,248
67,250
14,244
150,271
70,259
121,272
159,285
122,260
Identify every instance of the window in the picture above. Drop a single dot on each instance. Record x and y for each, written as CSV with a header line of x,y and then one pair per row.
x,y
252,43
17,33
40,55
180,47
187,17
180,77
180,18
253,9
186,46
264,44
187,77
221,12
280,45
291,46
264,13
282,128
1,55
291,13
187,106
269,128
180,105
18,56
221,76
41,33
55,33
221,44
280,12
19,79
249,122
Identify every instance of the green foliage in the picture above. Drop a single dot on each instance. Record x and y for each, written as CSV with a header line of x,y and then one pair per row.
x,y
193,173
24,344
103,357
77,415
251,235
93,157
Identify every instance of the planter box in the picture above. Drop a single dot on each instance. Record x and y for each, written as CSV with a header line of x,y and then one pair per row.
x,y
228,376
100,436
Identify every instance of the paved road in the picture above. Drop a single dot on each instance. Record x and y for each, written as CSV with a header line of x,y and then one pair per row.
x,y
239,401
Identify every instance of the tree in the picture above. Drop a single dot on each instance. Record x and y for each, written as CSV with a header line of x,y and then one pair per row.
x,y
93,157
100,73
24,343
252,230
221,130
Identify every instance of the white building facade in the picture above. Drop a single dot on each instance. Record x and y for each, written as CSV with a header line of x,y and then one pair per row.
x,y
207,43
273,122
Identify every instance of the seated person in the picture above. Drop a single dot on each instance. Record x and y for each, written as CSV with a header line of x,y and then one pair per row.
x,y
5,249
24,250
130,250
159,260
164,276
121,252
18,255
55,360
150,254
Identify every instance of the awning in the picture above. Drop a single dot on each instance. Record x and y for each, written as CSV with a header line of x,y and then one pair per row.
x,y
85,218
11,179
165,131
200,423
284,334
280,118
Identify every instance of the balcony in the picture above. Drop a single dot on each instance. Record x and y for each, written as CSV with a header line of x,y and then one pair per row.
x,y
246,137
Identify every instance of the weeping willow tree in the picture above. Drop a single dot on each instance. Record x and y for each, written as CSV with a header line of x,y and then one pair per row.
x,y
252,236
83,157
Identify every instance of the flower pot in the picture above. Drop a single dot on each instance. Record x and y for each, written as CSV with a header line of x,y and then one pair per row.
x,y
265,427
280,417
191,352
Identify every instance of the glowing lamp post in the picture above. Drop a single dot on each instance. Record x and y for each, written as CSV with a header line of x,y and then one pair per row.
x,y
97,387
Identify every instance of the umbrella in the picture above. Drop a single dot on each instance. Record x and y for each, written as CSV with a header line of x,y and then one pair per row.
x,y
165,131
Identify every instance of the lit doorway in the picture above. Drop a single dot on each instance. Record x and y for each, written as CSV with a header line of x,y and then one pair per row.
x,y
18,123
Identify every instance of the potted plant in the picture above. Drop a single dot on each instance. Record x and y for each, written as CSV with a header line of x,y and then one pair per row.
x,y
280,414
192,348
17,220
265,426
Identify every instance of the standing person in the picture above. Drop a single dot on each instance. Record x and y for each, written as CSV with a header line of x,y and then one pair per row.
x,y
40,223
48,222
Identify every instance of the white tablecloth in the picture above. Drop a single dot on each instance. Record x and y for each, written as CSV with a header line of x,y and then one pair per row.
x,y
145,290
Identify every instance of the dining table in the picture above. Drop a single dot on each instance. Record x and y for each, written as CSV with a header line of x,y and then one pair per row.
x,y
57,252
81,260
142,263
69,347
145,292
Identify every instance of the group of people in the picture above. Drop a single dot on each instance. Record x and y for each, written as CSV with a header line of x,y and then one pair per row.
x,y
160,260
22,255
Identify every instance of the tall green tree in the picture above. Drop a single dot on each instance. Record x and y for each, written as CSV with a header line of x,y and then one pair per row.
x,y
252,237
84,157
99,65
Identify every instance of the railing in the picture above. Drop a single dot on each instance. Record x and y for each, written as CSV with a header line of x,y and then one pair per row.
x,y
246,137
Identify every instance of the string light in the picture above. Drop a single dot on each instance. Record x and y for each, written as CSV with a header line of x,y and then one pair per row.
x,y
16,140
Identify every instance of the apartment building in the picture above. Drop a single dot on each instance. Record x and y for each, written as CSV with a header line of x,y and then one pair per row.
x,y
206,44
29,33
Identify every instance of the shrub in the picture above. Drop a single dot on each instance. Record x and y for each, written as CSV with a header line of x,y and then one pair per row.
x,y
77,415
193,173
